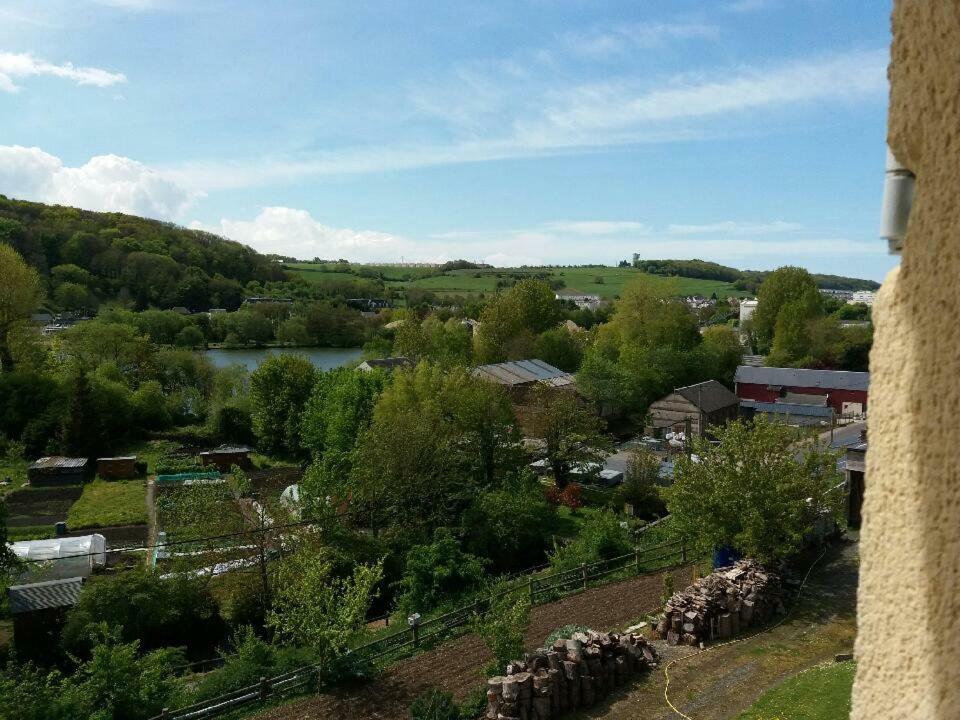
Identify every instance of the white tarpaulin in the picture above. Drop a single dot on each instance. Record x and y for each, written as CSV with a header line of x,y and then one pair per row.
x,y
67,556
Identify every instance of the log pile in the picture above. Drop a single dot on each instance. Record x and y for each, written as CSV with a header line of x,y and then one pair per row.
x,y
721,604
572,673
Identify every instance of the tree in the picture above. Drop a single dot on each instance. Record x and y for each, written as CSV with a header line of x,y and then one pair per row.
x,y
80,433
639,487
600,538
722,353
510,322
340,407
279,390
503,626
756,490
569,431
20,294
560,348
190,337
780,288
313,608
438,573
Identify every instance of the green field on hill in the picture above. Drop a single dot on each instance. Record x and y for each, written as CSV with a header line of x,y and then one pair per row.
x,y
607,282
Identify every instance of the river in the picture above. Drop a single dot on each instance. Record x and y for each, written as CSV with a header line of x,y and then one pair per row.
x,y
323,358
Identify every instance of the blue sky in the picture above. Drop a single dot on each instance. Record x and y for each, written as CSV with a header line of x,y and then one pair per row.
x,y
749,132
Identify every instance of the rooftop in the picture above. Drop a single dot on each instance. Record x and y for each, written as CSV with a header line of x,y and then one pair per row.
x,y
524,372
44,595
708,396
57,462
797,377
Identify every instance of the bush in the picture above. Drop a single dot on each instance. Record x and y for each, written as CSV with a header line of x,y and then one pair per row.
x,y
563,633
601,538
434,705
503,625
438,573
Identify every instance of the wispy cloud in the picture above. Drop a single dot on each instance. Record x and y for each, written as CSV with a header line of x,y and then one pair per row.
x,y
746,6
15,66
529,120
614,40
730,227
599,227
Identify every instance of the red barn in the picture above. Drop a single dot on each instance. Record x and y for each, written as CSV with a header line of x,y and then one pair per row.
x,y
845,392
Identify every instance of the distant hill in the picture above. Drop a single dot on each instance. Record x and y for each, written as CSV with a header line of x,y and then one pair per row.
x,y
748,280
87,257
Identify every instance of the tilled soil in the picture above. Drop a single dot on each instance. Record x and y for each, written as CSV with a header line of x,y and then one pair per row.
x,y
457,665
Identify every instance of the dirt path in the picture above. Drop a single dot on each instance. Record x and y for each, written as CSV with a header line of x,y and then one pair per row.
x,y
722,683
457,666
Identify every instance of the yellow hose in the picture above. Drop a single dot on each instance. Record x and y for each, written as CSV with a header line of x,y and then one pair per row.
x,y
666,668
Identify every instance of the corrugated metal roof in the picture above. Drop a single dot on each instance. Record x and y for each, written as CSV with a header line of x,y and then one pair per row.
x,y
788,408
44,595
57,462
708,396
804,399
524,372
798,377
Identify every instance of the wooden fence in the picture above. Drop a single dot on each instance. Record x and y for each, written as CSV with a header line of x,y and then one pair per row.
x,y
542,587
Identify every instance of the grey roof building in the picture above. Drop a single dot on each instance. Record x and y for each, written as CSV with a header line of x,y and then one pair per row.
x,y
524,373
388,364
802,378
44,595
702,405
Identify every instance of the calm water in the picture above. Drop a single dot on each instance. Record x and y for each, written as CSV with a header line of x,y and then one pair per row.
x,y
323,358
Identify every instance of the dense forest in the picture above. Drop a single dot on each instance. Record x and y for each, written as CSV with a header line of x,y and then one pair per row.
x,y
749,280
86,257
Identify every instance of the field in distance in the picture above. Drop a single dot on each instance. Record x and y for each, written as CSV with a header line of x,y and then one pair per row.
x,y
607,282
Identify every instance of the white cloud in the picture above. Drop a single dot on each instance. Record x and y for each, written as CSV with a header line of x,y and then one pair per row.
x,y
600,227
604,42
529,120
292,232
618,105
730,227
746,6
105,182
23,65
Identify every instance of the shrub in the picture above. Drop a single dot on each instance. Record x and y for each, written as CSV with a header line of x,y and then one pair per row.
x,y
601,538
503,625
434,704
438,573
563,633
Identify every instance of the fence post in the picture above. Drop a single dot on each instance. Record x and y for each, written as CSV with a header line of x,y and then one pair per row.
x,y
683,552
264,688
165,714
583,574
531,591
416,635
636,558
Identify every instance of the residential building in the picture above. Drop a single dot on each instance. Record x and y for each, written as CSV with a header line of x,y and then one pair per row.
x,y
866,297
584,302
843,391
747,309
694,407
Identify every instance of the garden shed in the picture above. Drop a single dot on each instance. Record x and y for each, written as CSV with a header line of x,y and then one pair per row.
x,y
226,456
117,468
57,470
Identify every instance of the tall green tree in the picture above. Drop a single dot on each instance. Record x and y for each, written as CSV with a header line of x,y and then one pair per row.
x,y
21,292
569,432
279,390
785,286
510,322
757,490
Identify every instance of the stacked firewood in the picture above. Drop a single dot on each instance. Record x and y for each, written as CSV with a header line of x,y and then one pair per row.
x,y
572,673
721,604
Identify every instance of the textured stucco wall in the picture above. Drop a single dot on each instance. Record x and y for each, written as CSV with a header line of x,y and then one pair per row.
x,y
908,644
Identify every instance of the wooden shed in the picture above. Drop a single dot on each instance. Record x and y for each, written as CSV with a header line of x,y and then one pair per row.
x,y
57,470
117,468
226,456
701,405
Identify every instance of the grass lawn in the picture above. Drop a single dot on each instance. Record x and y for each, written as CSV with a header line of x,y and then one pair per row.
x,y
607,282
109,503
820,693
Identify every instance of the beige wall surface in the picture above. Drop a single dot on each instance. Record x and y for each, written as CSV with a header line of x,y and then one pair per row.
x,y
908,644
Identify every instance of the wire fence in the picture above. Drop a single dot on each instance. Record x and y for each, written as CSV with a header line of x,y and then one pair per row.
x,y
541,587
